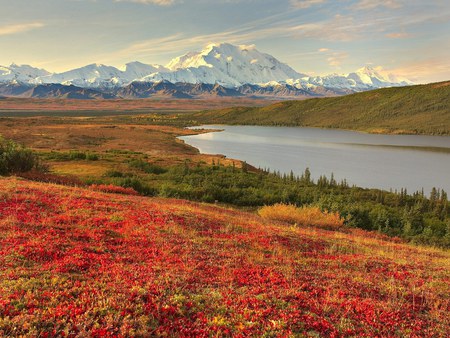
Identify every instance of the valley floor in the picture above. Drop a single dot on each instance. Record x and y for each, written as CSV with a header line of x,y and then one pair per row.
x,y
81,262
17,107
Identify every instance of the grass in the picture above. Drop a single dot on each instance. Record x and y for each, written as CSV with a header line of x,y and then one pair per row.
x,y
116,142
305,215
422,109
78,169
81,262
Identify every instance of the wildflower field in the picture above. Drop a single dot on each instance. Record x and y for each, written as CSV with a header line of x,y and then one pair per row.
x,y
89,263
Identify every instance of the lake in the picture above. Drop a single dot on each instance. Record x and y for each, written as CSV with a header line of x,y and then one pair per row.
x,y
366,160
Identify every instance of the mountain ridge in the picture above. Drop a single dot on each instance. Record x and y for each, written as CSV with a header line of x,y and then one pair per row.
x,y
226,65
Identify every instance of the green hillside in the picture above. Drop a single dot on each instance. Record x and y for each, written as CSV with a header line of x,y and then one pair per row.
x,y
421,109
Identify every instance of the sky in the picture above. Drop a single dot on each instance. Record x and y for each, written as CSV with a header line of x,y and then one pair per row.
x,y
410,38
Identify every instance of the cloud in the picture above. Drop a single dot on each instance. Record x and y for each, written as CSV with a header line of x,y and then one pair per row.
x,y
20,28
250,32
398,35
424,71
152,2
338,28
365,25
337,58
179,42
306,3
371,4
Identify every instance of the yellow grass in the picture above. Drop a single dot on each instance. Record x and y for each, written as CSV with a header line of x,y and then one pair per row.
x,y
79,169
305,215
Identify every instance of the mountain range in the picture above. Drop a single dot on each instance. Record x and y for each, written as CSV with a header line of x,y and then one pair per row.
x,y
218,70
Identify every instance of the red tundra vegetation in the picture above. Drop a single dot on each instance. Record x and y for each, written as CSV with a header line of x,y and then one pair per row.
x,y
76,263
113,189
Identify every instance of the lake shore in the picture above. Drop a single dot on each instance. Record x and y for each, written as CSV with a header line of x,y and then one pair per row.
x,y
401,154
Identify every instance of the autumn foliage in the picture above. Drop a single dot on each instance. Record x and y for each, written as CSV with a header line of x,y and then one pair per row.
x,y
81,263
306,215
46,177
113,189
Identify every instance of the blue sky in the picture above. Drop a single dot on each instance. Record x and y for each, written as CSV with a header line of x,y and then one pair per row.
x,y
408,37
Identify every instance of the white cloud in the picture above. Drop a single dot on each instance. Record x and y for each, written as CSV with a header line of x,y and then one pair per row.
x,y
337,58
398,35
153,2
20,28
424,71
338,28
306,3
182,42
371,4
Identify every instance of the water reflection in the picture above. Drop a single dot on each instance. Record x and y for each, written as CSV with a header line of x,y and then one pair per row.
x,y
367,160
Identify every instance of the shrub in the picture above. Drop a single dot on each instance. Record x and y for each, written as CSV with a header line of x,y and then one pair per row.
x,y
15,158
92,157
135,183
71,156
77,155
306,215
146,167
114,173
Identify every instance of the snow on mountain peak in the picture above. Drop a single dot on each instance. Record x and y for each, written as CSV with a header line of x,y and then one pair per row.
x,y
374,77
218,63
230,66
137,70
20,73
370,71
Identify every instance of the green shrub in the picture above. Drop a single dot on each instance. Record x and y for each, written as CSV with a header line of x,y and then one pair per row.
x,y
114,173
146,167
71,156
77,155
134,183
92,157
15,158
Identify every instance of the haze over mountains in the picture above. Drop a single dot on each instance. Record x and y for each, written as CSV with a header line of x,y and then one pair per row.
x,y
217,70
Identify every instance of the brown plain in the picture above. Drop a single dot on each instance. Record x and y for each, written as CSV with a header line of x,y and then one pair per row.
x,y
127,132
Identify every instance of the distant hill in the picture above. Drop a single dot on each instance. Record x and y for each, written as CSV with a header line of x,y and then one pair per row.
x,y
51,91
421,109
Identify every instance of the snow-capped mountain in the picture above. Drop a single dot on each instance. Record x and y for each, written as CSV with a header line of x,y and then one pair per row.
x,y
226,65
138,70
90,76
365,78
370,77
20,74
101,76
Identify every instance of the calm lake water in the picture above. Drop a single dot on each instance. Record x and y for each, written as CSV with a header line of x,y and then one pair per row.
x,y
366,160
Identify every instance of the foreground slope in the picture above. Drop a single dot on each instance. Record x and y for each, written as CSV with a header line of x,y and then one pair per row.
x,y
74,261
423,109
